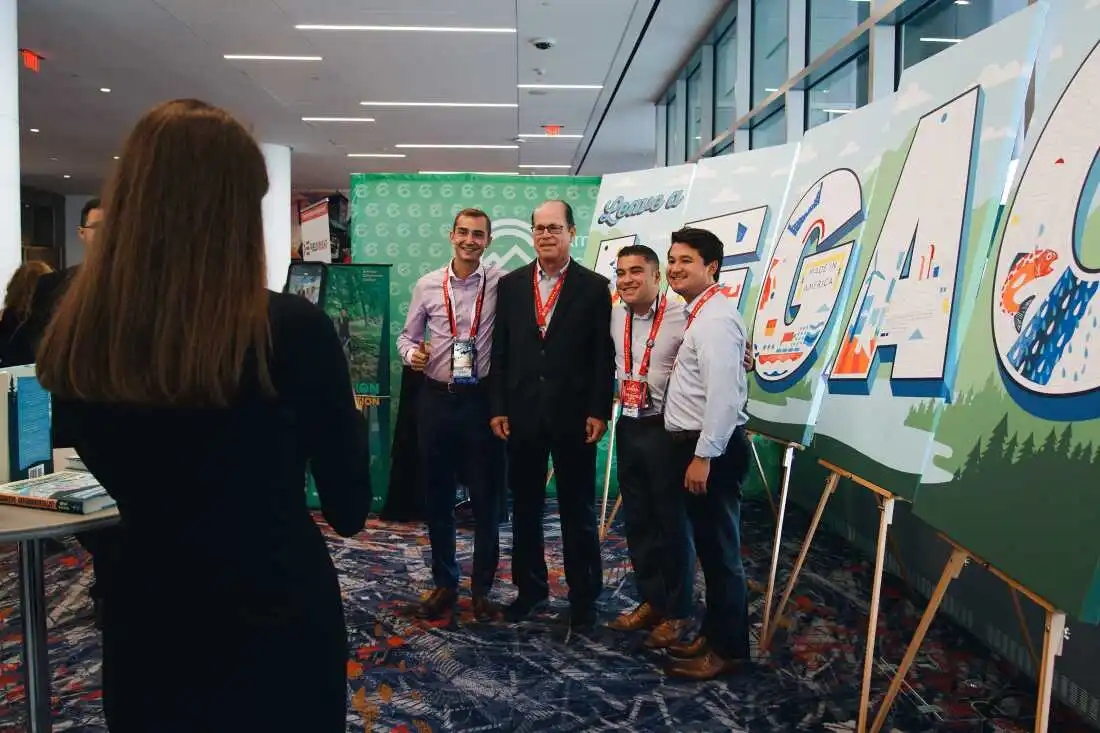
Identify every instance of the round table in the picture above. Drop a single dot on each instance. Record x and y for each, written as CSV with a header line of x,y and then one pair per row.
x,y
27,528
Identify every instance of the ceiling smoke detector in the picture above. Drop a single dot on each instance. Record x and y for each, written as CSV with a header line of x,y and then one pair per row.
x,y
543,44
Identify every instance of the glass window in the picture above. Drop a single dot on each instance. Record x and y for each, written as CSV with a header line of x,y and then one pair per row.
x,y
839,93
772,130
830,20
769,47
947,22
695,111
725,79
674,133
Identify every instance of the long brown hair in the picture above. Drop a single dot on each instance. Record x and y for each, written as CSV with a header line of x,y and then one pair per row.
x,y
170,304
19,296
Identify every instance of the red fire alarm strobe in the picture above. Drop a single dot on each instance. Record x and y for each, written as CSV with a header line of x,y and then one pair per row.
x,y
30,59
552,129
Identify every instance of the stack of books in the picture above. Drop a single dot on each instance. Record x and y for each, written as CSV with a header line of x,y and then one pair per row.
x,y
71,492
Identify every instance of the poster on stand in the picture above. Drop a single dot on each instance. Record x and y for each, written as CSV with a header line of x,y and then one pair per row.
x,y
1013,477
954,120
316,237
639,207
740,197
306,279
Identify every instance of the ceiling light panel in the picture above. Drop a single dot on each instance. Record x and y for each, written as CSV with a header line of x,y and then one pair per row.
x,y
403,28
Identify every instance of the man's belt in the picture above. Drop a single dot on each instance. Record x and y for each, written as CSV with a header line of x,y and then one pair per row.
x,y
455,389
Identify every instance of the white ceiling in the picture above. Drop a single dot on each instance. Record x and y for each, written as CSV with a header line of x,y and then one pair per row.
x,y
148,51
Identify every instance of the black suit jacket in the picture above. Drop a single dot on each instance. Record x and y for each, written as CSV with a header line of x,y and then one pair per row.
x,y
556,383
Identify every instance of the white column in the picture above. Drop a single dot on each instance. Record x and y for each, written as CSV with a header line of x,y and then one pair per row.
x,y
276,211
11,252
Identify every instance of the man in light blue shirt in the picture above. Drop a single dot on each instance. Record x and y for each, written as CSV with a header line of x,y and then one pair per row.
x,y
705,418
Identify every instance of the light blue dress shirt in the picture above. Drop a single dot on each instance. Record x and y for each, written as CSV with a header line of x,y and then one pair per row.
x,y
664,349
708,390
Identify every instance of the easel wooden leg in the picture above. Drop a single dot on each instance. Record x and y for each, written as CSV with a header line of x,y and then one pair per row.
x,y
1052,648
784,485
764,479
611,519
886,506
950,572
770,625
607,473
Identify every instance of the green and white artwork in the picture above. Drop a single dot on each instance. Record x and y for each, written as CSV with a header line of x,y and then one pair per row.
x,y
1014,475
954,122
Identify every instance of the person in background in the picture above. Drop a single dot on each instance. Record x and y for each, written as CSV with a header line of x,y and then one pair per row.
x,y
457,305
553,376
197,398
705,417
15,341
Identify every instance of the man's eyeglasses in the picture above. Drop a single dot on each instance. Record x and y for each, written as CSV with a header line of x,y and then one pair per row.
x,y
554,229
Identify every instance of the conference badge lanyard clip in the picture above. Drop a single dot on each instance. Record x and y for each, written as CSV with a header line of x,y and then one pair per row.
x,y
634,393
542,310
463,350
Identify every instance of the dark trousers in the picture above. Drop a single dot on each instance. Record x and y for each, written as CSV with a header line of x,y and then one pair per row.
x,y
575,476
655,516
716,526
454,435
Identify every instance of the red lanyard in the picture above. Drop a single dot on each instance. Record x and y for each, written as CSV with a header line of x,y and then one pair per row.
x,y
699,305
543,311
476,321
628,341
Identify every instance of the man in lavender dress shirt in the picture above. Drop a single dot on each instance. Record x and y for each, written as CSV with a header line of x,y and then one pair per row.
x,y
448,335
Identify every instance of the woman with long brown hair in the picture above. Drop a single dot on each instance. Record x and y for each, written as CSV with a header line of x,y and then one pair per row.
x,y
18,299
197,397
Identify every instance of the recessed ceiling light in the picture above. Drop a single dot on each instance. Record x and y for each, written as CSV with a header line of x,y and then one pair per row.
x,y
53,158
376,155
35,130
254,57
933,39
458,147
66,176
337,119
440,104
543,135
105,90
468,173
403,28
116,157
559,86
962,2
535,165
837,111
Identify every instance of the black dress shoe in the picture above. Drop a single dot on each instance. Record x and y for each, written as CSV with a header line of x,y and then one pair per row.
x,y
522,609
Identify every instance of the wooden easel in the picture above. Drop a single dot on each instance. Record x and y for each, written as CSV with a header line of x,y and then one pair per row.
x,y
606,521
780,516
1052,638
886,508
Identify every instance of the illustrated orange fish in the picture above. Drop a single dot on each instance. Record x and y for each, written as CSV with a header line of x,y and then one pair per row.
x,y
1027,267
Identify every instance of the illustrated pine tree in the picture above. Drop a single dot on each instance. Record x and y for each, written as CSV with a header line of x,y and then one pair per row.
x,y
1009,454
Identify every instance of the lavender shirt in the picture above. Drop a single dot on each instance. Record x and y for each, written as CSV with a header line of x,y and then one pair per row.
x,y
427,309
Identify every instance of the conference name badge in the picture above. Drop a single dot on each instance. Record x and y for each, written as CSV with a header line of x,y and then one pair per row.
x,y
464,361
634,397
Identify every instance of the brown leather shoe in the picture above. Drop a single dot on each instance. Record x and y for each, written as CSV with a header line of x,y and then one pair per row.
x,y
670,631
482,609
642,617
688,649
438,604
707,666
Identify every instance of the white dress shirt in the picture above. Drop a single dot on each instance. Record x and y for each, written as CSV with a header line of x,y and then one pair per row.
x,y
546,285
708,390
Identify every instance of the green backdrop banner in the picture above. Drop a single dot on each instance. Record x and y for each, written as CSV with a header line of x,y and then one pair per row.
x,y
404,220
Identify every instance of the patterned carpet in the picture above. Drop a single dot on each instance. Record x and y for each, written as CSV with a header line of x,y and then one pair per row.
x,y
409,676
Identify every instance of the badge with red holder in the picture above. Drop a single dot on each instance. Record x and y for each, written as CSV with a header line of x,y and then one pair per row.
x,y
634,392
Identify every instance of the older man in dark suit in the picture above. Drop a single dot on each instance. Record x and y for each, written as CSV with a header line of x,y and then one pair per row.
x,y
553,367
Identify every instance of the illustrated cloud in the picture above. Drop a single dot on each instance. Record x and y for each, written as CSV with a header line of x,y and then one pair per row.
x,y
910,97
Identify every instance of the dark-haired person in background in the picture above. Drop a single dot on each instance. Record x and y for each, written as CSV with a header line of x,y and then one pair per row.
x,y
705,417
553,373
173,364
15,341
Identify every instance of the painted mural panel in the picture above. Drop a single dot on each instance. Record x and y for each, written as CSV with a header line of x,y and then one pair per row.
x,y
809,274
1017,465
944,160
639,207
739,199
